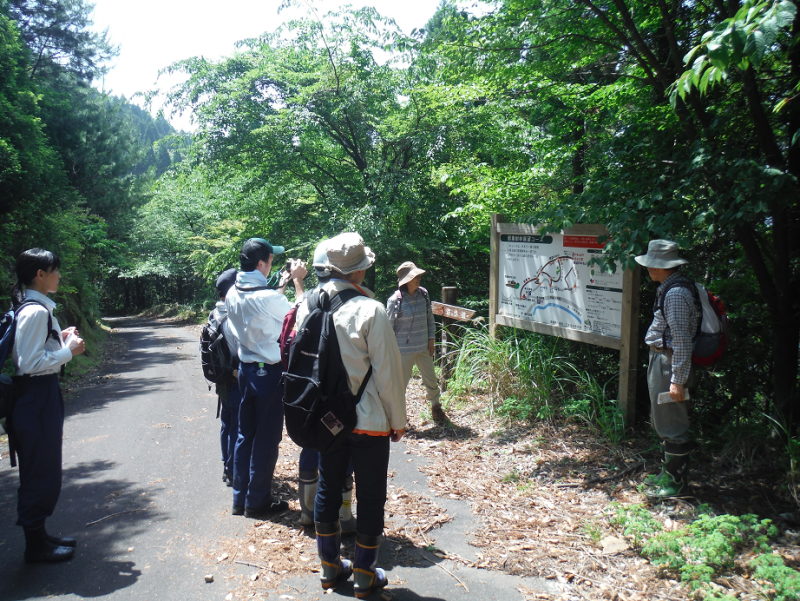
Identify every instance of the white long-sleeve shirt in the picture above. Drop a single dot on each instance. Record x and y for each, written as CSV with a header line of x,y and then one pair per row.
x,y
35,352
256,318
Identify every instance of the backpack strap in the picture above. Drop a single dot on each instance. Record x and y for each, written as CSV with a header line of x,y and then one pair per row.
x,y
336,303
341,298
253,288
51,333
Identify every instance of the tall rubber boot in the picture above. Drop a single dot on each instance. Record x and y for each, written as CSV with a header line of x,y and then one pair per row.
x,y
368,577
654,479
61,541
329,542
307,491
346,517
676,466
38,549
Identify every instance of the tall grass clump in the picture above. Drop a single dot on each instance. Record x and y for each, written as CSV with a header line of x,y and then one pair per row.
x,y
588,400
518,369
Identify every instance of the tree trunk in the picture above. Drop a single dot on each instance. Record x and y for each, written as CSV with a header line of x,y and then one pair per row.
x,y
578,166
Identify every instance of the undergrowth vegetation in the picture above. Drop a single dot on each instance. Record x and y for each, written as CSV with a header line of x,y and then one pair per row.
x,y
533,377
710,547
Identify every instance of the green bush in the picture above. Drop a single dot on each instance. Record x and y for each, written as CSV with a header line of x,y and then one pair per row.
x,y
708,547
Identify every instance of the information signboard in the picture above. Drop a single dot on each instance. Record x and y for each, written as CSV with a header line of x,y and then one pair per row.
x,y
547,283
550,280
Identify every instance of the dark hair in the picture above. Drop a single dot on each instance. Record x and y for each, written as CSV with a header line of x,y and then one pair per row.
x,y
323,279
404,287
28,265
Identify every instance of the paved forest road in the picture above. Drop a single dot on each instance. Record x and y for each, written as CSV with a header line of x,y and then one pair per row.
x,y
141,450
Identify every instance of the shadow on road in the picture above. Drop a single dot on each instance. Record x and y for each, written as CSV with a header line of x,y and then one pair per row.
x,y
85,497
122,380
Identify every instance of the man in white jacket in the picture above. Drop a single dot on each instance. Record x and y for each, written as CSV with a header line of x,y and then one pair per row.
x,y
255,315
365,338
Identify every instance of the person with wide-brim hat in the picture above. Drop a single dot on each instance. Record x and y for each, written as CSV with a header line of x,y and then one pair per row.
x,y
409,310
367,346
671,340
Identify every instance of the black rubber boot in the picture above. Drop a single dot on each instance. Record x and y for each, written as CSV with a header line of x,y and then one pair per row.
x,y
38,549
61,541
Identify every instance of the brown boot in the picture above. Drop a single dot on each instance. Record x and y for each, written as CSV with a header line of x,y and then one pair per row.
x,y
438,415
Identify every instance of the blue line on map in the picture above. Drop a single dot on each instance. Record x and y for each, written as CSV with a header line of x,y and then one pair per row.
x,y
548,305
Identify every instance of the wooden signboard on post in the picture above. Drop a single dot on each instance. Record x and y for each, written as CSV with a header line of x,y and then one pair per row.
x,y
548,284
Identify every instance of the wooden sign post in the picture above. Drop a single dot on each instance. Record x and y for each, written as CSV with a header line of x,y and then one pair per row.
x,y
449,313
548,284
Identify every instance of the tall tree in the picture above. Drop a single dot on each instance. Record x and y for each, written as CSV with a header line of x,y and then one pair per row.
x,y
592,81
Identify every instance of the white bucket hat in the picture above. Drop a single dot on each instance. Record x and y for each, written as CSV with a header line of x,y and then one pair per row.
x,y
321,260
661,254
347,253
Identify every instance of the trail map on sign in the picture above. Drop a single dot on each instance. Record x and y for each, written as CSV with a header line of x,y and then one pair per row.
x,y
548,279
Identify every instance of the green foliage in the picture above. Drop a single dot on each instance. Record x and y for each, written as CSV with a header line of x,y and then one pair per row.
x,y
518,369
590,402
708,547
738,42
785,580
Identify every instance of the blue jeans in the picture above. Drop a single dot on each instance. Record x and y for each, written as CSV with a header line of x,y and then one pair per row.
x,y
260,433
38,421
229,425
370,457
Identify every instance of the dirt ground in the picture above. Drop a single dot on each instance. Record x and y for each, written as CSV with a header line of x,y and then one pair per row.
x,y
542,493
527,484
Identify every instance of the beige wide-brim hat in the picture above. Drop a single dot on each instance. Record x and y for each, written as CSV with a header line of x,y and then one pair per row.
x,y
347,253
661,254
407,272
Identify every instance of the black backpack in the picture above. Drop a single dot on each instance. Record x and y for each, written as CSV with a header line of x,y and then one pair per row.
x,y
10,389
319,408
215,355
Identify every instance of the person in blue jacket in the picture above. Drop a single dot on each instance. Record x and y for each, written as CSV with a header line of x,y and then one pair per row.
x,y
40,350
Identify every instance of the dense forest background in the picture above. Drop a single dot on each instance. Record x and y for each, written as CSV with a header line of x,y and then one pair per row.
x,y
658,119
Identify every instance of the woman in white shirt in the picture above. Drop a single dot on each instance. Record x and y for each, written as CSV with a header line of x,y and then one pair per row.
x,y
40,350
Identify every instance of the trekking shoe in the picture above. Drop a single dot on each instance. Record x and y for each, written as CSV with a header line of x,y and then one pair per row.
x,y
266,512
438,415
237,510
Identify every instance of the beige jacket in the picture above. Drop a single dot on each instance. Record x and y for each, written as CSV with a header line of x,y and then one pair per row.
x,y
366,337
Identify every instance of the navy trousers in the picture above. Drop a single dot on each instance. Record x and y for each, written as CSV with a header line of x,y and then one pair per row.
x,y
38,421
309,460
370,457
229,425
260,433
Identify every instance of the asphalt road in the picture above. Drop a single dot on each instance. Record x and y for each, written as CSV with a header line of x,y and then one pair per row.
x,y
143,495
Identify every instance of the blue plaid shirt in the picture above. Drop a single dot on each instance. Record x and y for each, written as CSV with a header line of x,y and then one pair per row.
x,y
677,328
